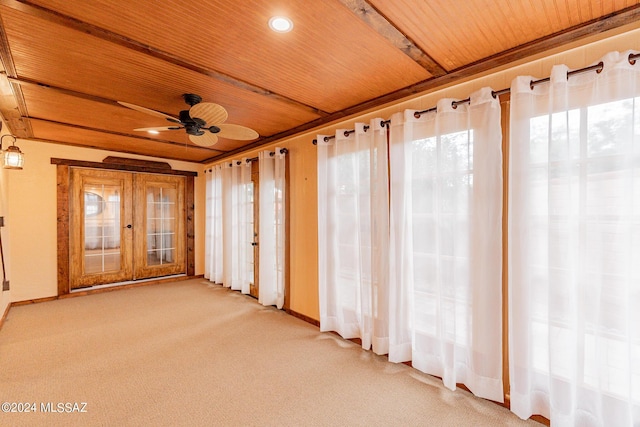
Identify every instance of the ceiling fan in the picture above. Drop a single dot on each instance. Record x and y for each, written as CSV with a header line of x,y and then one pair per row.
x,y
203,122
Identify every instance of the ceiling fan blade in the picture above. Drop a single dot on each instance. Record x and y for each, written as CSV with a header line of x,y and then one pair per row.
x,y
160,128
211,113
149,111
205,140
236,132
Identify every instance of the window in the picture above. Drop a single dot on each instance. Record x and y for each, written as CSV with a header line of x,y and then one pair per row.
x,y
586,214
446,243
574,241
353,231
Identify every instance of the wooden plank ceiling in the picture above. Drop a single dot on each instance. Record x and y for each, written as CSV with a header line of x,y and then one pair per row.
x,y
66,63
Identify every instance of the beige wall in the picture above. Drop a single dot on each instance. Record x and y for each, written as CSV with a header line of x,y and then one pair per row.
x,y
31,216
5,296
302,153
30,209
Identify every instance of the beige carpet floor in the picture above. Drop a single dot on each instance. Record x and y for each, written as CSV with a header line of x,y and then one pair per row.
x,y
194,354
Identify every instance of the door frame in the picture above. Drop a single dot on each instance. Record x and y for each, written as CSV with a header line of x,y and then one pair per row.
x,y
63,181
254,285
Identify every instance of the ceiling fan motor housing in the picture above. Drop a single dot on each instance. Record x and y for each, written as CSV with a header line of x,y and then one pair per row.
x,y
194,130
191,124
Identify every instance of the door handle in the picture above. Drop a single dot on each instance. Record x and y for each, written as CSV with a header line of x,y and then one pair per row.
x,y
128,226
254,243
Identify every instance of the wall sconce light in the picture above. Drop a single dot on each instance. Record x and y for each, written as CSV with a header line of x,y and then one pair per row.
x,y
12,157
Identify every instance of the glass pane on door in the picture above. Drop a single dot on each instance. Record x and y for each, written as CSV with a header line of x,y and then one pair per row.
x,y
101,228
161,225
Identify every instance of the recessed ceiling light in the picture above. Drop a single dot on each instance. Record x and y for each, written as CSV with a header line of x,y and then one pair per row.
x,y
280,24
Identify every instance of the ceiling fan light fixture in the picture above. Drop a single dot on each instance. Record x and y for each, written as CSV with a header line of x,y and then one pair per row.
x,y
280,24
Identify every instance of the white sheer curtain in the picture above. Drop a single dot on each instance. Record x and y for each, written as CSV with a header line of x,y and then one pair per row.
x,y
271,231
353,234
213,226
574,243
237,227
446,243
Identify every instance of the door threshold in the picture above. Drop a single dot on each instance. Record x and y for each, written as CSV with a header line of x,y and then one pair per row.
x,y
129,282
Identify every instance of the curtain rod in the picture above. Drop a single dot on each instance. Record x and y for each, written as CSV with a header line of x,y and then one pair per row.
x,y
271,154
383,123
633,57
252,159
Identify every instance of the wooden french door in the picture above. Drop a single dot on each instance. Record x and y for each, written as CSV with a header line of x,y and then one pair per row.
x,y
158,232
125,226
101,241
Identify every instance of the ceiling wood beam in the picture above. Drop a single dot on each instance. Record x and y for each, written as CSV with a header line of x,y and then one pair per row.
x,y
64,91
108,132
12,104
626,16
97,147
10,108
125,164
102,148
32,9
5,53
18,124
373,18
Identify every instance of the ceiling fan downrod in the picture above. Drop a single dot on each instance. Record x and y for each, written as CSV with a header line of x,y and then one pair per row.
x,y
191,98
